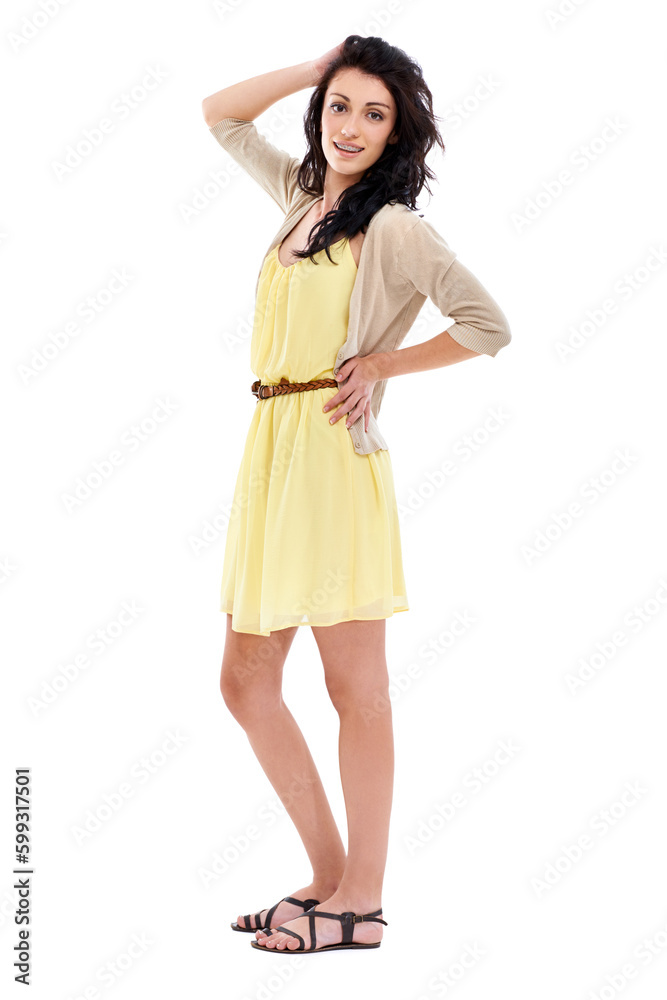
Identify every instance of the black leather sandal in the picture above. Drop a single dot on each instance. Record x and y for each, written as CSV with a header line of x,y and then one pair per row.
x,y
347,919
266,925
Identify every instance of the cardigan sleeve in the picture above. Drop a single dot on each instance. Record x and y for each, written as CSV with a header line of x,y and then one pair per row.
x,y
429,266
271,167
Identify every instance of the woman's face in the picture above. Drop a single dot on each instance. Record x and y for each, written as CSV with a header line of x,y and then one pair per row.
x,y
358,110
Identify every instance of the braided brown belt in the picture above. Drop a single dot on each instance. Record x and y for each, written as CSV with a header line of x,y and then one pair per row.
x,y
266,391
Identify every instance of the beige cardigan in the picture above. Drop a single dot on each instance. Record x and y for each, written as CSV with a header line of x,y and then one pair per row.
x,y
403,261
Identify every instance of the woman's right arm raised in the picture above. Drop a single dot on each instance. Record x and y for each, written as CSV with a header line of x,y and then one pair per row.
x,y
248,99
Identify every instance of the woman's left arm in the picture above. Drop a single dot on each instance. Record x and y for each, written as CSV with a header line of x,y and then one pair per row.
x,y
429,266
480,326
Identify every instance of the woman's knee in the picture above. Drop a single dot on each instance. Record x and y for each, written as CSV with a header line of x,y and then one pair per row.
x,y
251,673
249,689
355,663
357,686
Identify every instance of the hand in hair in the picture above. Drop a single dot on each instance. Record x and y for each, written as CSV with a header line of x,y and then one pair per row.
x,y
320,65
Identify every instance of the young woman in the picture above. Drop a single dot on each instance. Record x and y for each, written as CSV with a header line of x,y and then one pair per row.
x,y
314,537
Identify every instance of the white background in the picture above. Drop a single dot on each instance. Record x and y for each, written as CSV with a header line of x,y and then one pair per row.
x,y
145,202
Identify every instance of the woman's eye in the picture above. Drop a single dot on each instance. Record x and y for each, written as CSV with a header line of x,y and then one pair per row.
x,y
379,116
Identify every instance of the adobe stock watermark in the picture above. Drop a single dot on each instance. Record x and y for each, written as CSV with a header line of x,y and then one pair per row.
x,y
283,973
94,136
379,18
7,569
432,652
562,12
442,982
644,953
240,335
88,310
463,450
624,289
331,584
580,160
218,181
140,773
8,907
33,24
99,641
132,439
633,621
262,655
600,824
466,107
428,323
472,783
238,845
591,491
224,7
215,525
240,330
112,971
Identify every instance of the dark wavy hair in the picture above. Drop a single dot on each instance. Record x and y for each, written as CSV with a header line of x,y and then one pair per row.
x,y
401,172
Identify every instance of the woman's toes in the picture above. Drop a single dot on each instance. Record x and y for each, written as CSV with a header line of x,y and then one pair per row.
x,y
274,942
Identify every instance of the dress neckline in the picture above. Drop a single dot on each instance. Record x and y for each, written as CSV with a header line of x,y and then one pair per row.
x,y
303,259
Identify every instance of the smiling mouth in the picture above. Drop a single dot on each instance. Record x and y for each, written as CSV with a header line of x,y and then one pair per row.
x,y
348,149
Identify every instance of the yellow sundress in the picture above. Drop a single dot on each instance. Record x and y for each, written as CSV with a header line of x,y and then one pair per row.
x,y
313,536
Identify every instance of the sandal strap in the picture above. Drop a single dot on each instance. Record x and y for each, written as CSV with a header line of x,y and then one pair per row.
x,y
306,903
352,917
286,930
265,924
348,919
259,925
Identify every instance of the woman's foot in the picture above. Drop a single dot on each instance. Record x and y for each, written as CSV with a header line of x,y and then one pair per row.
x,y
287,911
327,931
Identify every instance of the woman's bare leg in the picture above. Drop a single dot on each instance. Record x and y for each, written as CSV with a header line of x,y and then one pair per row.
x,y
251,685
353,654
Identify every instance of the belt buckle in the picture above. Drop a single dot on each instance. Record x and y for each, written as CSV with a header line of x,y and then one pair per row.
x,y
257,390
